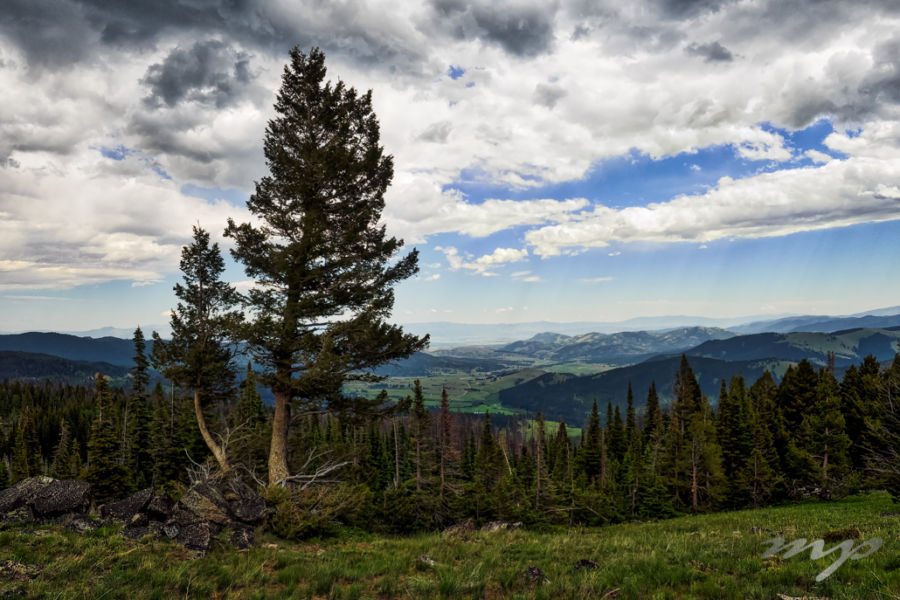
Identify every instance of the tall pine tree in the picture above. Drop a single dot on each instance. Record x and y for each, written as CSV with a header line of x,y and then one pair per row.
x,y
324,268
199,355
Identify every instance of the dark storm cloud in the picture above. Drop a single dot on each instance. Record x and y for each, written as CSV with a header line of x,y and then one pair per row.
x,y
880,88
61,32
50,33
690,8
712,52
883,83
520,30
209,72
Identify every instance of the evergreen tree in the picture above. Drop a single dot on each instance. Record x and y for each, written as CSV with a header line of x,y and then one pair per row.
x,y
733,430
165,449
617,439
883,457
488,471
446,453
860,391
324,266
653,425
630,421
248,421
4,475
797,393
541,491
249,410
692,458
589,455
105,472
138,418
420,426
824,438
198,356
62,455
27,455
760,475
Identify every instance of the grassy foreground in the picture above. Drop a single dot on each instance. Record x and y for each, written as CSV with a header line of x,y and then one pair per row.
x,y
710,556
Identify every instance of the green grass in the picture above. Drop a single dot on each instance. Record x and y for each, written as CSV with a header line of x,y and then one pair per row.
x,y
714,556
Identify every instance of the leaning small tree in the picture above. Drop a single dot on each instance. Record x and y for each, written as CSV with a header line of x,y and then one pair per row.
x,y
199,355
323,265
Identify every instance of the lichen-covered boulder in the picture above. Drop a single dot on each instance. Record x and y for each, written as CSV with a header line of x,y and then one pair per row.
x,y
62,496
23,493
160,507
245,503
207,503
124,510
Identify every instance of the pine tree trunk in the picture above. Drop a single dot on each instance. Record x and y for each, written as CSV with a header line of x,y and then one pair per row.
x,y
694,487
217,451
278,469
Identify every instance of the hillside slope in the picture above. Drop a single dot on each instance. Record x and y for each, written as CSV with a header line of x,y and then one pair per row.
x,y
849,346
569,398
31,366
112,350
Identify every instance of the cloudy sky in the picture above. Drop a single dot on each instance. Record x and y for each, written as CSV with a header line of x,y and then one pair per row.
x,y
560,160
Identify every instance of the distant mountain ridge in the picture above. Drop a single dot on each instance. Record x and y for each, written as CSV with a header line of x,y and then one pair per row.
x,y
568,396
622,348
32,366
849,346
112,350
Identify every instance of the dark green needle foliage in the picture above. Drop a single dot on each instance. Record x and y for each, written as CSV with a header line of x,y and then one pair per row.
x,y
105,472
323,265
199,355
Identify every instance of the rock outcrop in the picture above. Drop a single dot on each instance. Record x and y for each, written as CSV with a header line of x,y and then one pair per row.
x,y
204,511
42,498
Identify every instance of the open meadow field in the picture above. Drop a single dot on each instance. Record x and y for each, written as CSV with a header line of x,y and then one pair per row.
x,y
717,556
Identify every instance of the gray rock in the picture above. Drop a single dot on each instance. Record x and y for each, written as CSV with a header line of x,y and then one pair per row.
x,y
134,532
82,523
139,520
460,529
160,507
23,514
171,530
241,537
207,503
245,504
124,510
196,536
60,497
500,526
22,493
77,522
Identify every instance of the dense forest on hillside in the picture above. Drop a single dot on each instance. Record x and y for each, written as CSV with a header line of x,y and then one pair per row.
x,y
401,467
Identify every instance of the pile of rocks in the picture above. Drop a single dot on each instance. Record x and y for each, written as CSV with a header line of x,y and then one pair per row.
x,y
203,511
